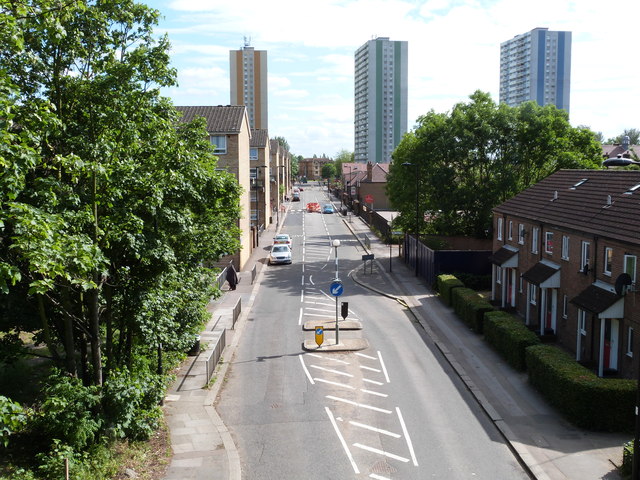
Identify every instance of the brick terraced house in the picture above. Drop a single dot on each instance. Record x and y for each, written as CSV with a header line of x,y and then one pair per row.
x,y
565,260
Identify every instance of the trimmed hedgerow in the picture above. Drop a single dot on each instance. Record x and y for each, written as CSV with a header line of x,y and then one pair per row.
x,y
446,284
470,306
585,399
509,337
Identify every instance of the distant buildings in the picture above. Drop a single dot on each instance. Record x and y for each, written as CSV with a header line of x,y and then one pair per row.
x,y
380,99
248,81
536,66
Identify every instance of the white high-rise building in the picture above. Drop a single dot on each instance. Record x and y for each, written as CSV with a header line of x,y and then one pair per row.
x,y
536,66
248,75
380,99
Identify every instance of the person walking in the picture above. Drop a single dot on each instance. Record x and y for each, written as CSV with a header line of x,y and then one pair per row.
x,y
232,277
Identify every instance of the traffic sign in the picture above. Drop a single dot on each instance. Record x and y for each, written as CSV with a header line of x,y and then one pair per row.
x,y
336,288
368,198
319,335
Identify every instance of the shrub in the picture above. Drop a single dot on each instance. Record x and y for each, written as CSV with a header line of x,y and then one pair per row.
x,y
470,306
445,285
12,418
509,337
585,399
474,281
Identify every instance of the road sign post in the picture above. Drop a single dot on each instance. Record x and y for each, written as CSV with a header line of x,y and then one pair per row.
x,y
336,290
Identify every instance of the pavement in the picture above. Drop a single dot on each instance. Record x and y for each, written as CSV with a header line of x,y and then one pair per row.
x,y
546,445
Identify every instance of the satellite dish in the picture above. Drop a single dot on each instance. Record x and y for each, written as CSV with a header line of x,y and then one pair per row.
x,y
619,161
622,282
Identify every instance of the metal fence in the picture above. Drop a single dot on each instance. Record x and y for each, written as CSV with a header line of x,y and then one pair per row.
x,y
237,309
214,355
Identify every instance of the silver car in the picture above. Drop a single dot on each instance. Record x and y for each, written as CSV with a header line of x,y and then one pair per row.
x,y
280,253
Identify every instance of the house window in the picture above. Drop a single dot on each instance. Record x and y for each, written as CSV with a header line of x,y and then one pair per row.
x,y
565,247
521,234
630,342
253,154
510,231
220,142
535,233
582,321
253,196
520,286
584,256
565,306
254,215
630,266
499,228
608,259
533,292
498,274
253,173
548,242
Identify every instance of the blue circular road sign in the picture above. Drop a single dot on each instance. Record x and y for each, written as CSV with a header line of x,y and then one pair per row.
x,y
336,288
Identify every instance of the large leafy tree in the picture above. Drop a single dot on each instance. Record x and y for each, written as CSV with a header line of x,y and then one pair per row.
x,y
110,210
455,167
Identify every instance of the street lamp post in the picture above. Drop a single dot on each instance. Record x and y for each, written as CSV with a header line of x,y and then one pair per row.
x,y
417,231
336,244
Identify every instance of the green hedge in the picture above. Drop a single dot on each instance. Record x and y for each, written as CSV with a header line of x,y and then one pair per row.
x,y
470,306
446,284
509,337
585,399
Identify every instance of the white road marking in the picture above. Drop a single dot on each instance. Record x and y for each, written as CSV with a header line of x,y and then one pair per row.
x,y
360,405
302,295
372,381
364,367
328,358
378,477
320,303
374,429
381,452
300,317
344,444
311,280
304,367
316,314
337,372
371,392
303,280
366,356
406,435
320,309
337,384
384,368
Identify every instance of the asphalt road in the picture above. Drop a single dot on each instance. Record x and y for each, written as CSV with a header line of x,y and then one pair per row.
x,y
394,410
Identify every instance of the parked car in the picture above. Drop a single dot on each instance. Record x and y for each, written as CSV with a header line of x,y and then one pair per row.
x,y
295,197
328,208
282,239
280,253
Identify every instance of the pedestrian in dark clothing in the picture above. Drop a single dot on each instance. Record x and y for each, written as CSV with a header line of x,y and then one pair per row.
x,y
232,277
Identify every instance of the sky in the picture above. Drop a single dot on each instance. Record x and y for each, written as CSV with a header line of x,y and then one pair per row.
x,y
454,50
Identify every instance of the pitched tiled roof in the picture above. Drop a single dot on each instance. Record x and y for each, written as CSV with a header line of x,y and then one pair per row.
x,y
220,119
379,172
502,255
594,299
259,138
579,200
539,273
613,150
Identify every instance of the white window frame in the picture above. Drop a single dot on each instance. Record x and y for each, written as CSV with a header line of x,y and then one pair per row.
x,y
535,234
220,142
253,173
565,247
521,234
510,230
548,242
499,275
607,261
633,259
565,306
253,154
582,321
533,293
499,226
630,342
585,253
520,285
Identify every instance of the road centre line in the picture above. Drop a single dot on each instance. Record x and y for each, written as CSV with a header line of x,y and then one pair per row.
x,y
337,384
381,452
384,368
337,372
372,381
302,295
304,367
300,316
371,392
302,280
406,435
374,429
361,405
342,441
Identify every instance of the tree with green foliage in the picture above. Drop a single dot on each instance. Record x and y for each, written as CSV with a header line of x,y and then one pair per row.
x,y
343,156
111,209
465,162
632,133
328,171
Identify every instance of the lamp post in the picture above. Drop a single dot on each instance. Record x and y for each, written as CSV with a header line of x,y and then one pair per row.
x,y
417,231
336,244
